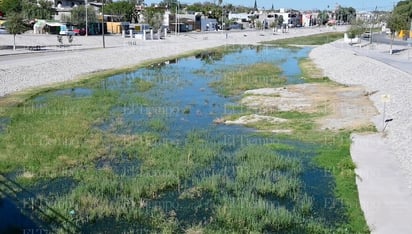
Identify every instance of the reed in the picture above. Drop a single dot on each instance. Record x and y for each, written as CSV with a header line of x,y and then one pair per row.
x,y
252,214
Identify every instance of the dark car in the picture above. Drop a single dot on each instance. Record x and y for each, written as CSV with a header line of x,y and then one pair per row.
x,y
234,26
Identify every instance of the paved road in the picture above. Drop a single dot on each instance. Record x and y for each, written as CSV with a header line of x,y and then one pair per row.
x,y
379,50
385,39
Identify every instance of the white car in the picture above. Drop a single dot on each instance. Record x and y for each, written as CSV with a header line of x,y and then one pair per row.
x,y
3,31
67,33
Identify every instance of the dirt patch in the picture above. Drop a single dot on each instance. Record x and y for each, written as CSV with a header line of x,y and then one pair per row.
x,y
247,119
341,107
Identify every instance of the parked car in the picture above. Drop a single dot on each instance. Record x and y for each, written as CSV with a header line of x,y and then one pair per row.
x,y
3,31
64,30
80,32
366,34
67,33
234,26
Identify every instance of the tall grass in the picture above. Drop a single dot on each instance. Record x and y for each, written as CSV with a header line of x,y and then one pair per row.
x,y
249,213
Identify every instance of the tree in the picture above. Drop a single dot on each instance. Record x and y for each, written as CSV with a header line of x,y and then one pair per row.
x,y
259,24
154,17
280,20
400,19
78,16
323,17
356,29
172,5
401,16
15,25
346,14
42,9
10,6
123,9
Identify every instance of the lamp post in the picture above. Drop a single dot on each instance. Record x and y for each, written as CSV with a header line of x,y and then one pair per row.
x,y
104,46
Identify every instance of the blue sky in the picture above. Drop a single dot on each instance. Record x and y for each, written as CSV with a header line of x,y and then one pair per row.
x,y
361,5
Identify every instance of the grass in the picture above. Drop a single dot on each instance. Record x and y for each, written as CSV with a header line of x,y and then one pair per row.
x,y
248,213
142,85
104,194
318,39
254,76
44,140
47,142
311,73
335,158
158,125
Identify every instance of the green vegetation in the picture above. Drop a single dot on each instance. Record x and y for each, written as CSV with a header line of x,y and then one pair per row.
x,y
242,202
318,39
333,155
255,76
142,85
311,73
46,134
103,193
401,17
261,192
335,158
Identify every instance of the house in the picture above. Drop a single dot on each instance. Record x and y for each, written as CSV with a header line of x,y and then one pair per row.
x,y
291,18
64,7
309,18
242,18
194,21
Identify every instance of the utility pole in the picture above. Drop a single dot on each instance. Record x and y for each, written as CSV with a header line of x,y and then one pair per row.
x,y
372,23
176,21
87,29
222,16
104,46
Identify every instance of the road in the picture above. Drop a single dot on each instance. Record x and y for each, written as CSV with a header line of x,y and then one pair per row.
x,y
385,39
403,63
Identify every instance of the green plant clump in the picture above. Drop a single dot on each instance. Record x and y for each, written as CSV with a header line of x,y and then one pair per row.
x,y
260,75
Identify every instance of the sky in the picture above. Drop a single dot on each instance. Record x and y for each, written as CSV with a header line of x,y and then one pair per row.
x,y
359,5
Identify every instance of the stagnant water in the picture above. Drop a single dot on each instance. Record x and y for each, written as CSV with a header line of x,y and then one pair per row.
x,y
185,103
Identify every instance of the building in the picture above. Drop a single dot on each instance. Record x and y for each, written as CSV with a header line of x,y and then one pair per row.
x,y
291,18
64,7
